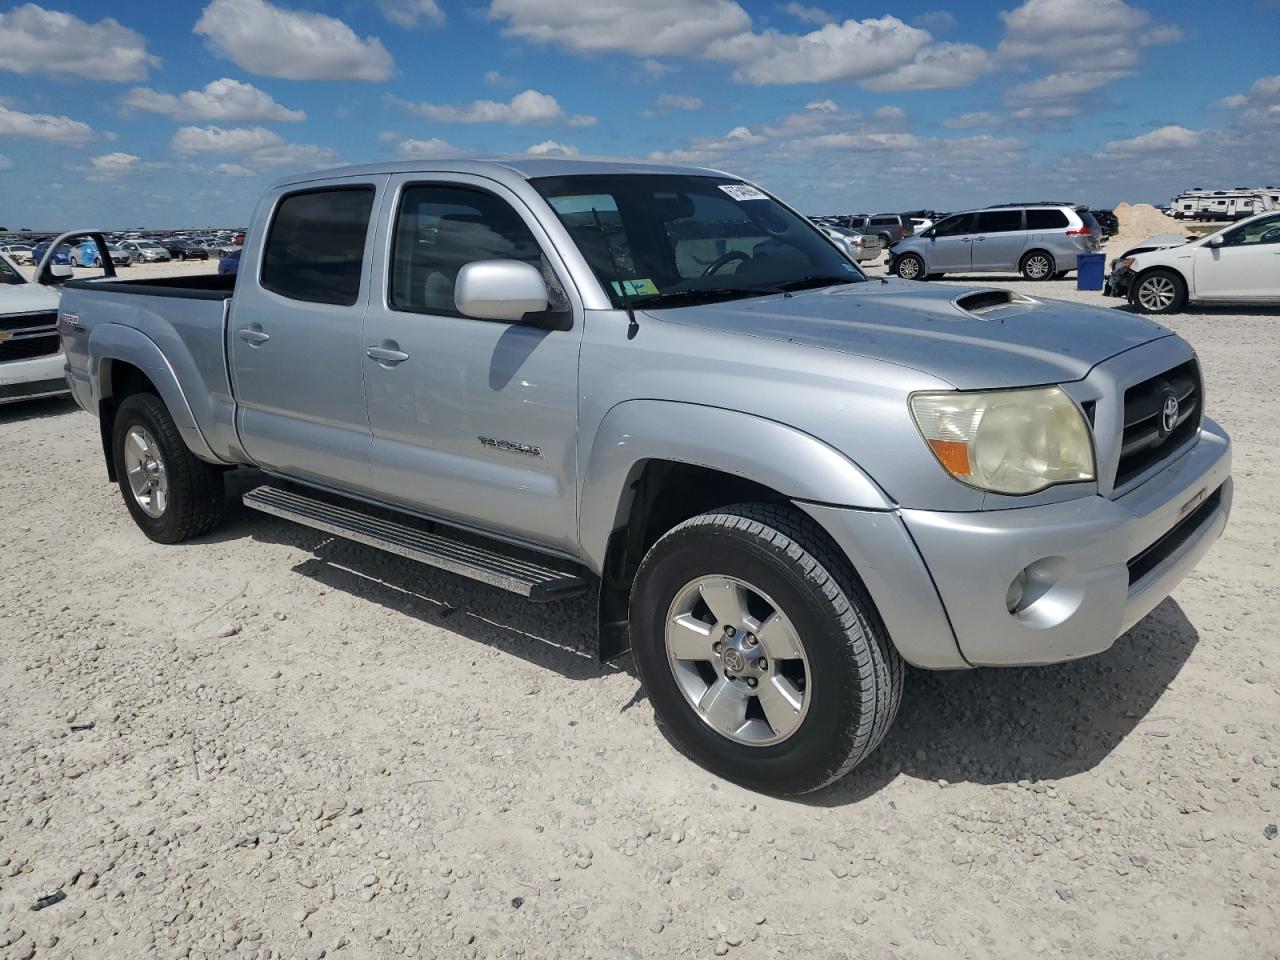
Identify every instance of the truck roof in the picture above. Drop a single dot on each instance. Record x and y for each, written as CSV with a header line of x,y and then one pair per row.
x,y
520,167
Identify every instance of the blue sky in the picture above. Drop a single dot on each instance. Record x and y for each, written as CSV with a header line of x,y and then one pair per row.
x,y
179,113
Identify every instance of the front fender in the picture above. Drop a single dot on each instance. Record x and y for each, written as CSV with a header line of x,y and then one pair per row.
x,y
113,341
793,463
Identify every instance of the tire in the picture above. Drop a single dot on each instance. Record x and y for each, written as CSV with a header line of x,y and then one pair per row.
x,y
1037,265
191,494
97,261
1158,292
910,266
848,678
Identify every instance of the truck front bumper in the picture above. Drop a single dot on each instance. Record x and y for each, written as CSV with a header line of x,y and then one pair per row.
x,y
29,379
943,583
1061,581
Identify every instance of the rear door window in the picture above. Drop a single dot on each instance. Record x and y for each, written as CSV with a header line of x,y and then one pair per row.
x,y
315,249
999,221
1046,219
884,221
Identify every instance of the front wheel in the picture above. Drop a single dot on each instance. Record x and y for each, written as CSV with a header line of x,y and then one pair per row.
x,y
172,494
909,267
1159,292
760,651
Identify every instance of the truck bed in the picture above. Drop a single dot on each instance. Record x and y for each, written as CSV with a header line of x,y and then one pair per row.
x,y
203,286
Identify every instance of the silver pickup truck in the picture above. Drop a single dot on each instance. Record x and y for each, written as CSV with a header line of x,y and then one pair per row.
x,y
661,384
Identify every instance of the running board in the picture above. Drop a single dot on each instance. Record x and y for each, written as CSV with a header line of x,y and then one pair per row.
x,y
527,577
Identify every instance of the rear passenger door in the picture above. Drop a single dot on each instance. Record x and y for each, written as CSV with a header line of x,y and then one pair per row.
x,y
999,240
294,333
950,247
473,421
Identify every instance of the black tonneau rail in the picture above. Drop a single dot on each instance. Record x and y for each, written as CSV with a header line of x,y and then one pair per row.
x,y
205,286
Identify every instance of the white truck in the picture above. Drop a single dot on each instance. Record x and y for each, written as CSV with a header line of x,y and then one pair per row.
x,y
31,362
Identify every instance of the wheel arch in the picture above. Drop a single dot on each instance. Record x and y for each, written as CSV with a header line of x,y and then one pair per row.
x,y
124,361
643,479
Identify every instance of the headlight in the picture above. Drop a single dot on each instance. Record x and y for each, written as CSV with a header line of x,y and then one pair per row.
x,y
1127,262
1007,441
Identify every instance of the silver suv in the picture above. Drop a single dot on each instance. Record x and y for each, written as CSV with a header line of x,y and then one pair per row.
x,y
1039,240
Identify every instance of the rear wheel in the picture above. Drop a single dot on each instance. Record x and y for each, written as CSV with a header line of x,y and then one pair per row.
x,y
1158,291
909,266
1037,265
760,651
172,494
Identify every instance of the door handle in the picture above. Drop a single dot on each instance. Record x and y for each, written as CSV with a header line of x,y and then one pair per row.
x,y
386,354
967,240
978,239
252,336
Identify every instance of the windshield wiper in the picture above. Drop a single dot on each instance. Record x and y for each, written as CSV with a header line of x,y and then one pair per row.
x,y
705,295
813,282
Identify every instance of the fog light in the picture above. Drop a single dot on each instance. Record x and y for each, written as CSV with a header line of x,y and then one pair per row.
x,y
1013,596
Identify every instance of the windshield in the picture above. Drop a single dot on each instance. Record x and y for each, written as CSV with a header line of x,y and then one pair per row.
x,y
673,240
148,245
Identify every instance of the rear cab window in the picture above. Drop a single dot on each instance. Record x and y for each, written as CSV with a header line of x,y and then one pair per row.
x,y
315,247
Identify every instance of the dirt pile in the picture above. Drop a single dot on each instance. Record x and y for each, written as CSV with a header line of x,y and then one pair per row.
x,y
1141,220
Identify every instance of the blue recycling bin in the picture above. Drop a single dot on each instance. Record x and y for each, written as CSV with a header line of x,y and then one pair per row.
x,y
1089,270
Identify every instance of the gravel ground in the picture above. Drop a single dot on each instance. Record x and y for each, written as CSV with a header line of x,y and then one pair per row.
x,y
270,743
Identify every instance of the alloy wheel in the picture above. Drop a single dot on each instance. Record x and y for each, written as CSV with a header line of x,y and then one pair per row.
x,y
738,660
148,478
1156,293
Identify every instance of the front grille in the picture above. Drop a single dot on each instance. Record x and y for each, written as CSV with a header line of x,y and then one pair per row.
x,y
1146,442
26,336
1166,546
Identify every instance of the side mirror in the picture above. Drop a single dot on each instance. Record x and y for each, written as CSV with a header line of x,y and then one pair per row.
x,y
60,271
499,290
1214,241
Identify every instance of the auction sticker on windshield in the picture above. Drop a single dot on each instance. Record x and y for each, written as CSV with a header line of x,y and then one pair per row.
x,y
635,288
742,191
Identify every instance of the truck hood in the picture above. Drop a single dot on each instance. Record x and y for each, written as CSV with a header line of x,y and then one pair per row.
x,y
971,337
26,298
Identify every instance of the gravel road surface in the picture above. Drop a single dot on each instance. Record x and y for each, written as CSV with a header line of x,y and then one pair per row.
x,y
271,743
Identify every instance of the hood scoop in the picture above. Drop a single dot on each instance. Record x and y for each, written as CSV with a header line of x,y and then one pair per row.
x,y
994,304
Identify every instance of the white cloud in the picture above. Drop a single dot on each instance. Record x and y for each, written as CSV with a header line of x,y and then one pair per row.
x,y
112,166
5,162
233,170
936,67
43,126
295,156
213,139
409,149
969,121
679,101
656,28
524,109
1090,43
881,54
1169,137
295,45
553,148
807,14
407,13
494,78
936,21
703,149
35,40
225,100
1260,104
656,69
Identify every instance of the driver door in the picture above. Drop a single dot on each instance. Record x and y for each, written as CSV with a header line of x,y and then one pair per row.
x,y
1245,267
951,246
473,421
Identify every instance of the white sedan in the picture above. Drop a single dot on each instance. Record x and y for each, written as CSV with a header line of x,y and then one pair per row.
x,y
1238,264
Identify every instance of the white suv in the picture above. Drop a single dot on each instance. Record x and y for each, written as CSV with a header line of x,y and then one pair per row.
x,y
1240,263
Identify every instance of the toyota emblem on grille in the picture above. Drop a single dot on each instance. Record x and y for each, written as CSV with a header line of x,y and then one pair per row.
x,y
1169,415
